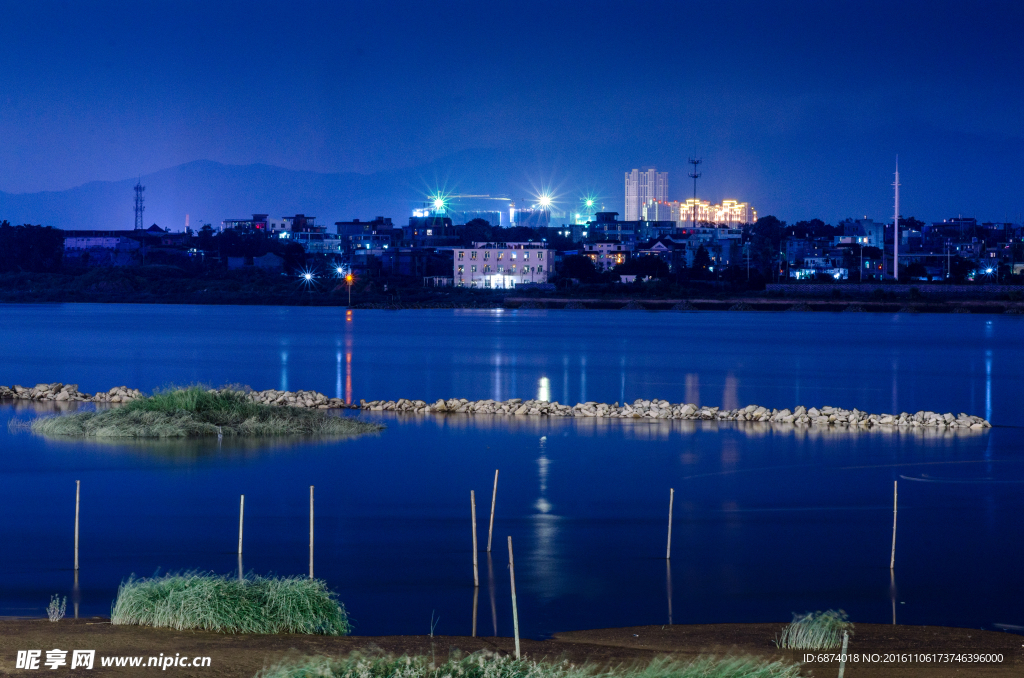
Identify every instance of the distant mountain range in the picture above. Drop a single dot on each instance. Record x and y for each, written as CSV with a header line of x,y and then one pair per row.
x,y
210,192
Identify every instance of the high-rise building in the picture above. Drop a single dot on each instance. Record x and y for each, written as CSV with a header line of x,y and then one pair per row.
x,y
643,186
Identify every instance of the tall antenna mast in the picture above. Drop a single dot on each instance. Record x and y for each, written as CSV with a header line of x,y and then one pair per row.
x,y
694,175
896,226
139,207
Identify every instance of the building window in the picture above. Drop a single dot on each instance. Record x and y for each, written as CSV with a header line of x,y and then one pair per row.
x,y
540,269
526,255
501,255
487,255
461,269
487,268
472,255
460,255
540,255
472,269
513,270
513,256
501,269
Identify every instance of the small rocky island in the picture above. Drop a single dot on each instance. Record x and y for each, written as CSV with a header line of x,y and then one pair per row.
x,y
834,417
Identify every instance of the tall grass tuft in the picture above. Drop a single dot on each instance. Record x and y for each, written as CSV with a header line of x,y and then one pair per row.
x,y
57,607
815,631
210,602
484,665
196,411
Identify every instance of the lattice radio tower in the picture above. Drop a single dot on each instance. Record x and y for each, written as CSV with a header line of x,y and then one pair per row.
x,y
694,175
139,207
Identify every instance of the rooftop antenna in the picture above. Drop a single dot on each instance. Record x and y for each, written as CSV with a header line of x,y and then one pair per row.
x,y
896,226
694,175
139,207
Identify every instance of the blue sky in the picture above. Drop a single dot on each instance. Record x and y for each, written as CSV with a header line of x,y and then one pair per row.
x,y
797,107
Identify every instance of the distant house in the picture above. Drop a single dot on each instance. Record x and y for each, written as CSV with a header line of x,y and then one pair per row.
x,y
607,254
501,265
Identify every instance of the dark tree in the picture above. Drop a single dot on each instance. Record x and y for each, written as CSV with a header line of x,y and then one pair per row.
x,y
30,248
579,267
701,263
643,266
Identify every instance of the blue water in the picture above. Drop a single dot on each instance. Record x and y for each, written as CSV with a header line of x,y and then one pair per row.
x,y
767,521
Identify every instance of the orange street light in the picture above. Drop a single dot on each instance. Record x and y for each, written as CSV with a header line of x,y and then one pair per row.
x,y
348,279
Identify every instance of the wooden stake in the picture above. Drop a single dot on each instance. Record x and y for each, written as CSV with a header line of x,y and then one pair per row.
x,y
842,656
310,531
515,610
476,602
476,571
78,494
241,517
668,547
494,496
892,557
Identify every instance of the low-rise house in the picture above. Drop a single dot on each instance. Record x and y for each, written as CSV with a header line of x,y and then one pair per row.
x,y
501,265
607,254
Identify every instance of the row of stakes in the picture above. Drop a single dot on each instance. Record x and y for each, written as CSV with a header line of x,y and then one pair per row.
x,y
490,534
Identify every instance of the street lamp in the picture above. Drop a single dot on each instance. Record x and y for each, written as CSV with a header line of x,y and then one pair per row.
x,y
348,279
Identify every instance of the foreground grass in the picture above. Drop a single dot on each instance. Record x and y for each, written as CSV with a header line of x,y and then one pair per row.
x,y
815,631
221,603
196,412
483,665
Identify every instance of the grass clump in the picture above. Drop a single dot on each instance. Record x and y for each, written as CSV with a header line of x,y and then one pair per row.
x,y
195,412
225,603
485,665
815,631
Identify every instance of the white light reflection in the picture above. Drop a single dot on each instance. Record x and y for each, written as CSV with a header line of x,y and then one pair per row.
x,y
544,560
337,375
988,385
284,370
693,389
544,389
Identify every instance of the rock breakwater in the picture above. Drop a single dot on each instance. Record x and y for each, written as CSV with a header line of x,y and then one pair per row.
x,y
836,417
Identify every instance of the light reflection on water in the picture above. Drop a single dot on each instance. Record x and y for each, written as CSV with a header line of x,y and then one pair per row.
x,y
771,519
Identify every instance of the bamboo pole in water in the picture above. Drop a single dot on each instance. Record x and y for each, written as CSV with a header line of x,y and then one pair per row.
x,y
476,603
78,494
842,656
668,547
515,610
476,571
892,557
494,496
310,531
241,518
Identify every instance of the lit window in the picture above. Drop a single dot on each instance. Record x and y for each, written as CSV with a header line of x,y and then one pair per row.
x,y
460,255
501,269
487,268
526,255
472,255
513,256
513,270
461,269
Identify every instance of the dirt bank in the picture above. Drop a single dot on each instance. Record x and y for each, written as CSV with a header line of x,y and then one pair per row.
x,y
241,656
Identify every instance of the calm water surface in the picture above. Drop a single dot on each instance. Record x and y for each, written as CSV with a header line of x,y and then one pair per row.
x,y
767,522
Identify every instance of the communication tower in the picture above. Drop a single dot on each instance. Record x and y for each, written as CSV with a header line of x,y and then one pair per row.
x,y
139,207
694,175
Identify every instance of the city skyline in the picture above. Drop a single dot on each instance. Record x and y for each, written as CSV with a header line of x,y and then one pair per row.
x,y
804,128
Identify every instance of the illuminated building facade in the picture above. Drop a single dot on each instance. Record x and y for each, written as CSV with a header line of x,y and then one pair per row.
x,y
643,186
727,212
502,265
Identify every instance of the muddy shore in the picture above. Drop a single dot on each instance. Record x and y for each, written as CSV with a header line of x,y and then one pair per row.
x,y
242,656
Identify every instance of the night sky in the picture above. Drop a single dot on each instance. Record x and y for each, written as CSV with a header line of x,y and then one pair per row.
x,y
797,107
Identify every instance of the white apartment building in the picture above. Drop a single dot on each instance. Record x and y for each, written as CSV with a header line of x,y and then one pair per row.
x,y
502,265
642,186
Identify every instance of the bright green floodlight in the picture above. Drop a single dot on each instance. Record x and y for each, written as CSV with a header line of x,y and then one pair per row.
x,y
590,202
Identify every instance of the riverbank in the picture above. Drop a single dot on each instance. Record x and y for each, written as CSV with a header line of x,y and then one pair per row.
x,y
835,417
241,656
